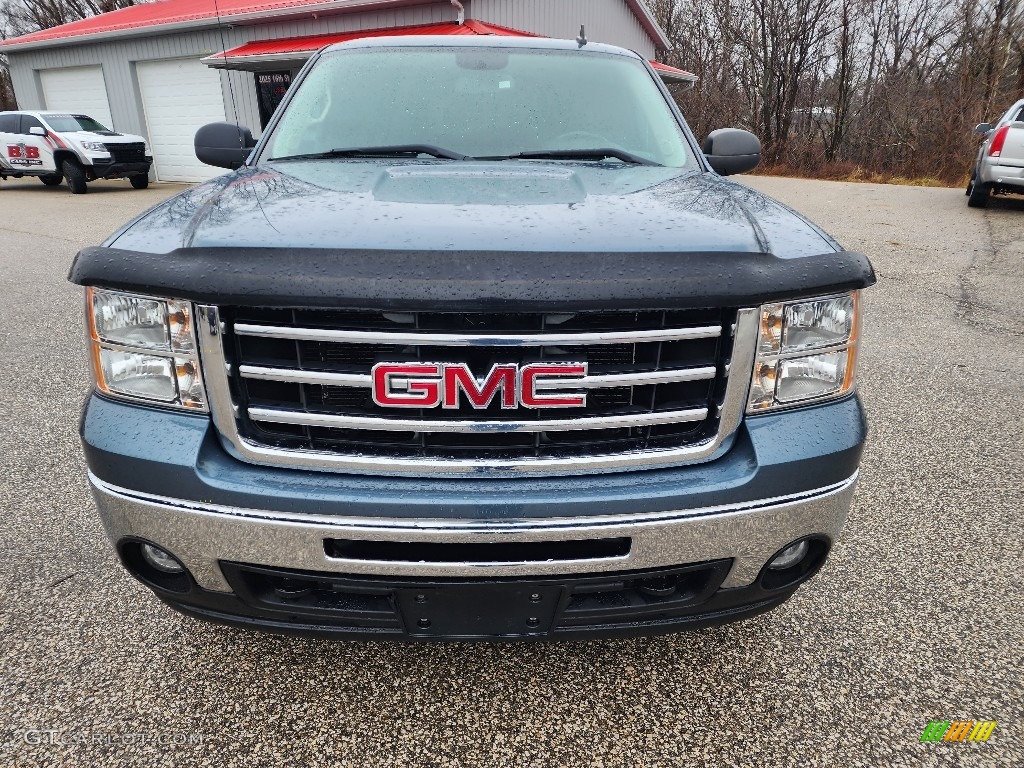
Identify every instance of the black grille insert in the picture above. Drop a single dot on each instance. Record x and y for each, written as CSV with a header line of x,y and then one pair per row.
x,y
127,153
501,552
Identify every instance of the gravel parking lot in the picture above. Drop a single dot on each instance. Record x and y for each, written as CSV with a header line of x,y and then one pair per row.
x,y
917,616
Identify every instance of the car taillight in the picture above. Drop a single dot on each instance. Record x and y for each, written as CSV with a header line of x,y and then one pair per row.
x,y
996,148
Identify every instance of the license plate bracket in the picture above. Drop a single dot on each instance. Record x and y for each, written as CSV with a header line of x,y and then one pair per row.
x,y
479,610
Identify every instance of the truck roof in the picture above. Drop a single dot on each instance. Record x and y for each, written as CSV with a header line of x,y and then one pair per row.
x,y
42,112
482,41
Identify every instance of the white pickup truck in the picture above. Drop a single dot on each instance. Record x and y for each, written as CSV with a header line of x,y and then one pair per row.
x,y
55,146
1000,165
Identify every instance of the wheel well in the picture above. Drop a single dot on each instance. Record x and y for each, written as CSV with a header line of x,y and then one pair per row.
x,y
65,154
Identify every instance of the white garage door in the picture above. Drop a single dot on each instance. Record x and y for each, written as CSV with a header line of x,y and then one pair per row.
x,y
77,89
179,97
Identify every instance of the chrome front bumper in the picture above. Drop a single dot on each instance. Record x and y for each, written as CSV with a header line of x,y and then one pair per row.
x,y
201,535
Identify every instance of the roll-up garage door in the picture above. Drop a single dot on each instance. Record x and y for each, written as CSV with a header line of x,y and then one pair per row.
x,y
77,89
179,96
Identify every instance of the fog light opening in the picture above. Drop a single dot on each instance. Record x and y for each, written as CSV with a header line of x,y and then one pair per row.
x,y
790,556
154,566
795,563
162,560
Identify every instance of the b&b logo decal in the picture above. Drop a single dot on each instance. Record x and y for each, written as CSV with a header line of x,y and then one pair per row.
x,y
20,154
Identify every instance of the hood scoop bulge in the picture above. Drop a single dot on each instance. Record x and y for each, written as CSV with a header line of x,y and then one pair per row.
x,y
479,185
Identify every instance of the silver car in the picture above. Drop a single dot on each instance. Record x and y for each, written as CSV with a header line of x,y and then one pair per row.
x,y
999,168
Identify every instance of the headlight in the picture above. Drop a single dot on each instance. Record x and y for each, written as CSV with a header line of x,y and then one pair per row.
x,y
95,146
144,348
806,352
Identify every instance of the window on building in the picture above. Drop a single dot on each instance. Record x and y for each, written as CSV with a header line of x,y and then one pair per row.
x,y
270,90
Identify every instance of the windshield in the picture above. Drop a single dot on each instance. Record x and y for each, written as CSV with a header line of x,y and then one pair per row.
x,y
480,102
71,123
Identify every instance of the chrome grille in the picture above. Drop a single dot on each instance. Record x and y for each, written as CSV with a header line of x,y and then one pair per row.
x,y
293,388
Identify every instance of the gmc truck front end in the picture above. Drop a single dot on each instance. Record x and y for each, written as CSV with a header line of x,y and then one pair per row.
x,y
552,474
521,365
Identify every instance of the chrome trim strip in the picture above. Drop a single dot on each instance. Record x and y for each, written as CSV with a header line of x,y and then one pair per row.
x,y
770,357
154,352
293,376
201,534
208,326
339,421
398,529
597,381
467,340
645,378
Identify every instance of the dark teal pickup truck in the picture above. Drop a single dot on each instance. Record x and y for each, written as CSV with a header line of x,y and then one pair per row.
x,y
476,342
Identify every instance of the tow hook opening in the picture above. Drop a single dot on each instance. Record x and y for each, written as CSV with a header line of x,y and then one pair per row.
x,y
154,566
659,586
794,563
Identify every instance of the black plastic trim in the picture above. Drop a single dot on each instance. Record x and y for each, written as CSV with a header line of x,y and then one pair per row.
x,y
102,170
469,280
722,607
290,602
477,552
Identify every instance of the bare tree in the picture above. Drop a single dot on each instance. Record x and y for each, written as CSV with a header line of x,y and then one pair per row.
x,y
887,86
24,16
7,100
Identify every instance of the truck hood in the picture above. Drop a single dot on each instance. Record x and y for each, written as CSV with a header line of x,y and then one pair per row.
x,y
106,137
474,206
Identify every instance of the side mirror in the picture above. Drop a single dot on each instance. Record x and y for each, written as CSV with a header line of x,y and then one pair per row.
x,y
731,150
224,145
36,130
983,129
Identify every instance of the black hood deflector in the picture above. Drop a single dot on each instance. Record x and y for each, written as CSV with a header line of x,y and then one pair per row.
x,y
469,281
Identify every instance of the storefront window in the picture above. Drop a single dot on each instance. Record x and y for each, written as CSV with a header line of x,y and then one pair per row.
x,y
270,90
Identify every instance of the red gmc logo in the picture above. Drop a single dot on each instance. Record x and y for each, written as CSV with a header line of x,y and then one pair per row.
x,y
428,385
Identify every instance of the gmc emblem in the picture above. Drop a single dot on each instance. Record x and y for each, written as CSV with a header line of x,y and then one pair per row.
x,y
428,385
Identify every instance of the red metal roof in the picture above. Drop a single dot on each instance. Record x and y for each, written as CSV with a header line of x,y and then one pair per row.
x,y
173,13
259,49
674,73
316,42
179,14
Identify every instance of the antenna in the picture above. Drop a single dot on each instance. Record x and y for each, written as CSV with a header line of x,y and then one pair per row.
x,y
581,39
227,70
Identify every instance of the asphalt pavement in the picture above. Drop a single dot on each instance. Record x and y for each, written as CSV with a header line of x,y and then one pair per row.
x,y
918,615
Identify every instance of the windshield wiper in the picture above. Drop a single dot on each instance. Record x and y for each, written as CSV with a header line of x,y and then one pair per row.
x,y
576,154
391,151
